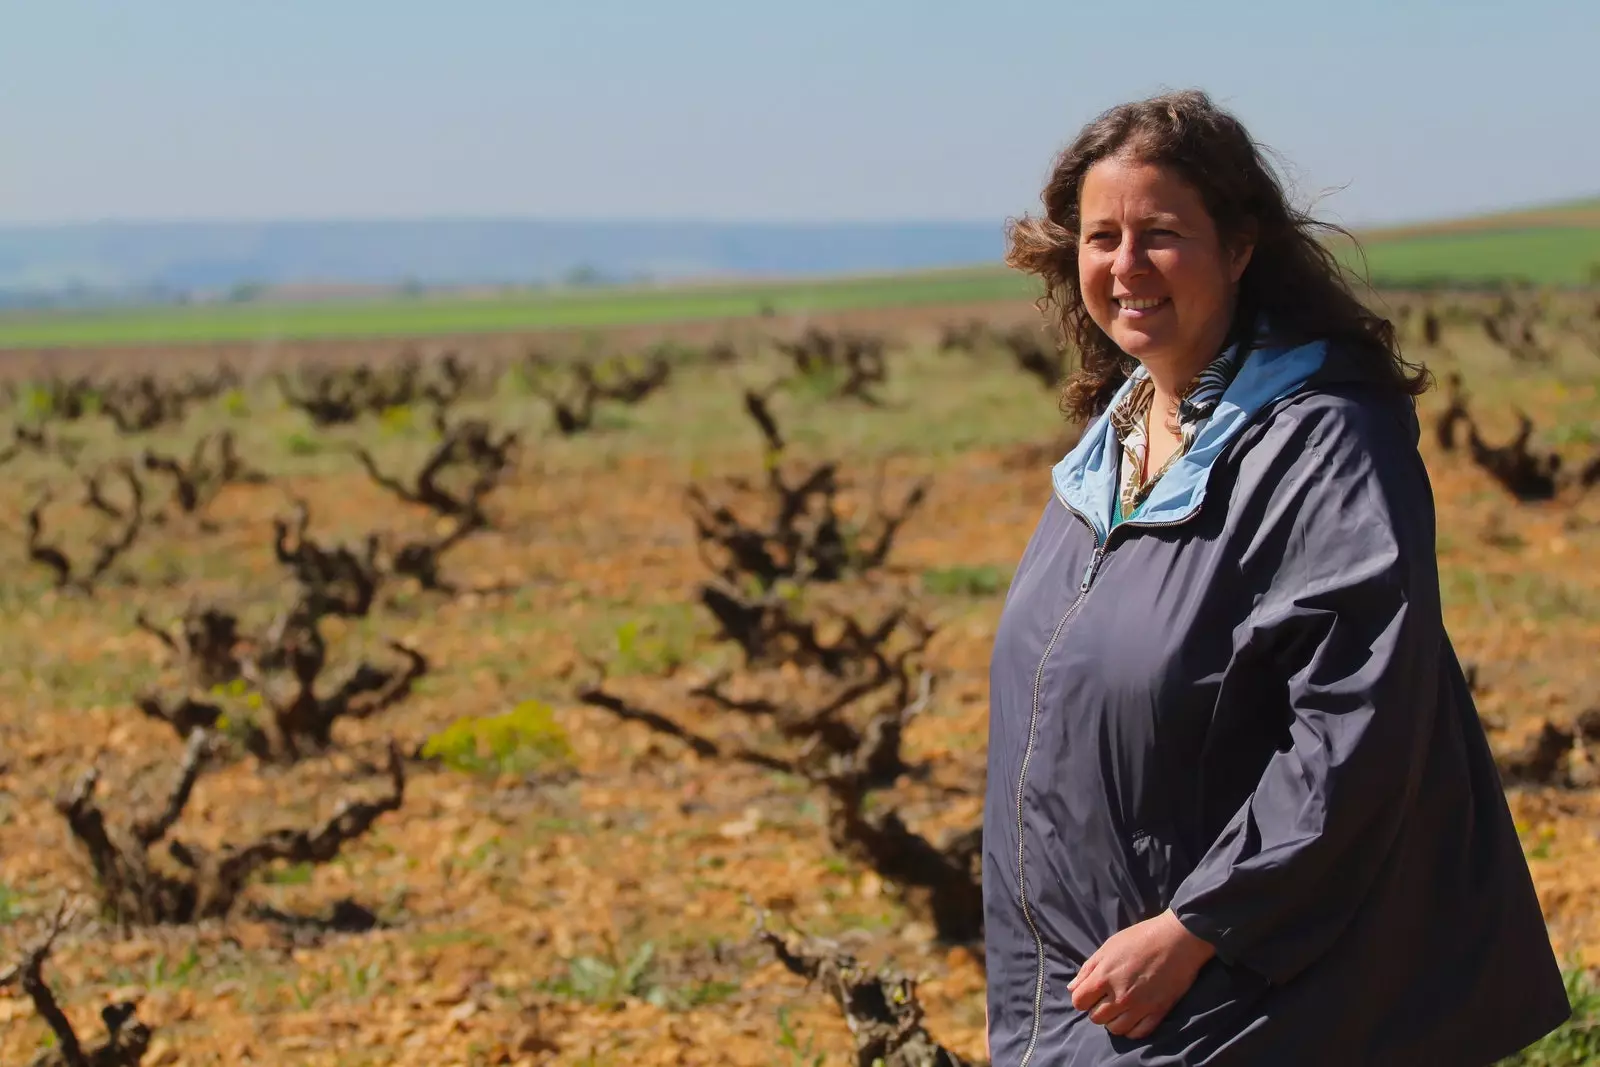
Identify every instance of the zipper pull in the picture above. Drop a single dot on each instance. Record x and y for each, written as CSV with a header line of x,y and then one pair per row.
x,y
1094,565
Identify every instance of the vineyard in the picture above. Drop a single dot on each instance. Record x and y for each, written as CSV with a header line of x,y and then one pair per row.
x,y
621,698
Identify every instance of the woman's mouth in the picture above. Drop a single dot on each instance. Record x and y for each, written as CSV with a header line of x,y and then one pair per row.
x,y
1138,309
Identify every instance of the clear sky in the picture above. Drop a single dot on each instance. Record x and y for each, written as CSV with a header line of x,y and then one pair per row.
x,y
754,109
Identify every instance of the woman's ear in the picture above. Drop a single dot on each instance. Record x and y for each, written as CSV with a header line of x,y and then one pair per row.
x,y
1239,252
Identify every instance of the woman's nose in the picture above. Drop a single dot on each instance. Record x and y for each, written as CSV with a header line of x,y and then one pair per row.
x,y
1129,259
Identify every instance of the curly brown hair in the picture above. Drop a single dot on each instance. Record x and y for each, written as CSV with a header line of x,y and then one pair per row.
x,y
1293,279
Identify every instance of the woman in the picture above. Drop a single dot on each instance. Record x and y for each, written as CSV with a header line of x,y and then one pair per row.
x,y
1240,809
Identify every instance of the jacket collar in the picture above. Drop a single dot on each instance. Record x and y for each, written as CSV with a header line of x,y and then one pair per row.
x,y
1086,480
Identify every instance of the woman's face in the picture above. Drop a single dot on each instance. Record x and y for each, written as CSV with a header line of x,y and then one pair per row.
x,y
1154,273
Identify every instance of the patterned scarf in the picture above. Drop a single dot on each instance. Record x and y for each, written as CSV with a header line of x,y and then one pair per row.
x,y
1199,400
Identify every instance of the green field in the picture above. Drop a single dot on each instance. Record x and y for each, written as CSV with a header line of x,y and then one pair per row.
x,y
1556,246
534,311
1541,255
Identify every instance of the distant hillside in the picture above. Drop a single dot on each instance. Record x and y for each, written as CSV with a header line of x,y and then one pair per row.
x,y
91,265
1553,244
1574,214
200,257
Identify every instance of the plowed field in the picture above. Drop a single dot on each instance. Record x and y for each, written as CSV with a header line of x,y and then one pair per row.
x,y
590,905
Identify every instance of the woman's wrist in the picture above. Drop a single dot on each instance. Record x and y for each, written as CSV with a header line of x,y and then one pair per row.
x,y
1190,946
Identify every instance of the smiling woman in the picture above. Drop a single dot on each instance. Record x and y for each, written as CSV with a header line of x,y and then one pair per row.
x,y
1221,200
1241,811
1155,274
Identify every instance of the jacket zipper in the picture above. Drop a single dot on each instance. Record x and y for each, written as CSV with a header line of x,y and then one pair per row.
x,y
1022,779
1089,573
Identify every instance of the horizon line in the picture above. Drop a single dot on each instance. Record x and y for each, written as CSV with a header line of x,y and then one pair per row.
x,y
412,220
684,220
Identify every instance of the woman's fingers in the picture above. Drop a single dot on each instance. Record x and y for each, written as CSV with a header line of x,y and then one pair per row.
x,y
1123,1020
1089,992
1136,976
1108,1009
1128,1023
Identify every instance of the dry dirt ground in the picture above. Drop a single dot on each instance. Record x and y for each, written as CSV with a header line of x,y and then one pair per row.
x,y
590,905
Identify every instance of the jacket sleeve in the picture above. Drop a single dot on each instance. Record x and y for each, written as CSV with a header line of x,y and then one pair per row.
x,y
1346,617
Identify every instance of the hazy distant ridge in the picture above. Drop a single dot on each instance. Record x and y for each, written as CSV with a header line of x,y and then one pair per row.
x,y
190,256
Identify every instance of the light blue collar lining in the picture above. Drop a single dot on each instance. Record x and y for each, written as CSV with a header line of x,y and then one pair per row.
x,y
1086,480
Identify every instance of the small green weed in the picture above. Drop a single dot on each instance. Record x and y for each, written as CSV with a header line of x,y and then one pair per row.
x,y
819,383
398,419
302,444
432,940
608,982
799,1055
702,994
240,725
290,874
612,420
312,987
1540,849
10,904
650,651
985,580
526,738
361,977
234,403
39,402
1576,1043
485,854
1526,594
674,353
1574,433
238,689
519,380
164,970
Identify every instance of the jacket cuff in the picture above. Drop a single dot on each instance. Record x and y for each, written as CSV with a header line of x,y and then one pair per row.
x,y
1224,940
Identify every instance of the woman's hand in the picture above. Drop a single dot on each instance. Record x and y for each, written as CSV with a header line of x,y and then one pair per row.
x,y
1132,981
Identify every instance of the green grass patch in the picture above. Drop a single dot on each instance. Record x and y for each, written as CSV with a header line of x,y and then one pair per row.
x,y
1576,1043
10,904
398,420
525,739
799,1054
170,970
299,443
235,404
1522,594
657,645
431,940
610,980
290,874
985,580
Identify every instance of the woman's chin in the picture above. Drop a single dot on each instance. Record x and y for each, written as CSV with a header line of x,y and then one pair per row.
x,y
1139,343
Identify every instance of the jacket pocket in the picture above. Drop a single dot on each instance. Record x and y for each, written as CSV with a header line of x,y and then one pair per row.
x,y
1221,1001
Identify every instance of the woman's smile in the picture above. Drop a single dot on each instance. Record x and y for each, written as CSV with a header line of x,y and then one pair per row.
x,y
1141,308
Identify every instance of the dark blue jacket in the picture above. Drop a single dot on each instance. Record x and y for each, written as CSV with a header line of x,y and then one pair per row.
x,y
1242,705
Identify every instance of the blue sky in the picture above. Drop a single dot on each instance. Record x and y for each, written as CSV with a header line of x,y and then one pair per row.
x,y
717,109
